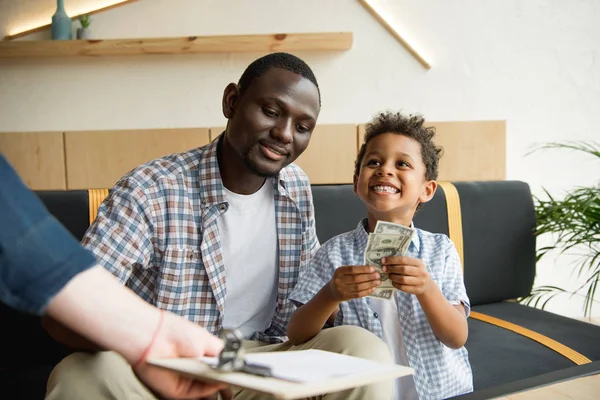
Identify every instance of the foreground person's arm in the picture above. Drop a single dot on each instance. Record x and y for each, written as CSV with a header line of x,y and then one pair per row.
x,y
95,305
43,269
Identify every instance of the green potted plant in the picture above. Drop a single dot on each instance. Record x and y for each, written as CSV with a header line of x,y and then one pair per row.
x,y
84,31
574,224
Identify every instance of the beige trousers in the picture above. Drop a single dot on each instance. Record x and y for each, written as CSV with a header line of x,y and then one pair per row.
x,y
106,375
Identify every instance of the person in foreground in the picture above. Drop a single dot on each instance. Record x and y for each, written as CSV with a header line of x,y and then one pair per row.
x,y
44,270
219,234
425,324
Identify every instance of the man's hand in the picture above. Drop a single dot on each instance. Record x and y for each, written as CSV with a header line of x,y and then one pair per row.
x,y
180,338
353,281
408,274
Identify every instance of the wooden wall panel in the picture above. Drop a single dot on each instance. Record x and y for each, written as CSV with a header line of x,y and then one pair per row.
x,y
330,155
473,150
38,158
361,136
97,159
214,132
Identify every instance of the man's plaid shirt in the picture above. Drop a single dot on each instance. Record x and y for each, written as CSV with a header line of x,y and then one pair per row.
x,y
157,232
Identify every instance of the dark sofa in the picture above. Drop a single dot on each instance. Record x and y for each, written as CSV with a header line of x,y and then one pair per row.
x,y
511,347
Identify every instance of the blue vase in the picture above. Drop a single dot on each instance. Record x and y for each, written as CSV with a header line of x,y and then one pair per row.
x,y
61,23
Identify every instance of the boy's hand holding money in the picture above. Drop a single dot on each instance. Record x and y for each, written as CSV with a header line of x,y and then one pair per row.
x,y
348,282
408,274
353,281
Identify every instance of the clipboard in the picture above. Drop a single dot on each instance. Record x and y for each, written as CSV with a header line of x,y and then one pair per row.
x,y
294,374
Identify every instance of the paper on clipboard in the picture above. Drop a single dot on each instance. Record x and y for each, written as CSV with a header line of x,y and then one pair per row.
x,y
296,374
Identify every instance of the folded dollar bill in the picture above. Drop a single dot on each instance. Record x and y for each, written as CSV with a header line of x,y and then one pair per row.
x,y
388,239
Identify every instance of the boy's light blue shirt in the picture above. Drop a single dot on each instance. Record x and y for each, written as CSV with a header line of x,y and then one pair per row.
x,y
440,372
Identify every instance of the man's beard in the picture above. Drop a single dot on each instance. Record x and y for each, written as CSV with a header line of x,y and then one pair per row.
x,y
258,171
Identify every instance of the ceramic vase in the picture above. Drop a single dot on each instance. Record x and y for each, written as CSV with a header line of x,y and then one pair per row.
x,y
61,23
83,33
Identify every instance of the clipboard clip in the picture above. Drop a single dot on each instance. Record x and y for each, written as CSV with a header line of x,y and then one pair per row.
x,y
232,357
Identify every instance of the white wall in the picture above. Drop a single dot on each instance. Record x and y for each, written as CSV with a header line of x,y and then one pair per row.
x,y
534,63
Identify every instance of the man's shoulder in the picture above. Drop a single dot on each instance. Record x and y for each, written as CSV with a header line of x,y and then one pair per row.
x,y
294,177
168,169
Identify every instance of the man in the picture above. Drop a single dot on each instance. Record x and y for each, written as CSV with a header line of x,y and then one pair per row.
x,y
219,234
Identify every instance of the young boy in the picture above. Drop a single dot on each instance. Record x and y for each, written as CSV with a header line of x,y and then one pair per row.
x,y
425,324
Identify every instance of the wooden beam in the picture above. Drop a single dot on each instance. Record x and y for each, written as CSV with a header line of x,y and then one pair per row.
x,y
395,33
178,45
44,27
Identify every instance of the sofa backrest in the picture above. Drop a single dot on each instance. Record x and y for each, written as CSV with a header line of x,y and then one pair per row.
x,y
497,220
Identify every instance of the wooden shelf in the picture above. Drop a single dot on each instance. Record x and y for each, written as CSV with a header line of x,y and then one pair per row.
x,y
329,41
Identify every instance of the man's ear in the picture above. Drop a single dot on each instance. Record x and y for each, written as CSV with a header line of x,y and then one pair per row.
x,y
231,96
355,183
430,188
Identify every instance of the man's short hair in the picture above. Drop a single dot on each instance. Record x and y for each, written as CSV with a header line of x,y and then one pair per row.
x,y
276,60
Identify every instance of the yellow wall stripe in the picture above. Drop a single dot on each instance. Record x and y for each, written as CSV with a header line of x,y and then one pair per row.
x,y
560,348
96,197
456,235
454,218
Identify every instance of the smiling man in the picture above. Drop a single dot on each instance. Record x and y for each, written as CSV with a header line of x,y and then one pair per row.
x,y
219,234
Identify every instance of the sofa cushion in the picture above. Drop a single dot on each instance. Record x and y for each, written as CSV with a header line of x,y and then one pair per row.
x,y
500,356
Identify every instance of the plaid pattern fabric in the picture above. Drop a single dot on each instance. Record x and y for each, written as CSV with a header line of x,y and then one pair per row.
x,y
440,372
157,232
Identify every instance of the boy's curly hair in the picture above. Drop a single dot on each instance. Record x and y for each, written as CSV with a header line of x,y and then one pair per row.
x,y
411,126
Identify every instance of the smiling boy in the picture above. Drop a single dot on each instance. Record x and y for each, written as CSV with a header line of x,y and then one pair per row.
x,y
425,324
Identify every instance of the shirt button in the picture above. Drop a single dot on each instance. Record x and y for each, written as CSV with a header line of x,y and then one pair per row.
x,y
376,315
222,207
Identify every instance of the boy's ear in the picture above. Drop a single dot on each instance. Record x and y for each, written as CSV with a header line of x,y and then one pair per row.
x,y
231,95
430,188
355,180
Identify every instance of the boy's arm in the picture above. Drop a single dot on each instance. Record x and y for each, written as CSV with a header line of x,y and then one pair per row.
x,y
119,238
453,302
314,308
448,322
348,282
308,320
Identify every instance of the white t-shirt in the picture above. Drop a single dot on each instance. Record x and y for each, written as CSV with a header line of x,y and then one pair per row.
x,y
387,311
249,245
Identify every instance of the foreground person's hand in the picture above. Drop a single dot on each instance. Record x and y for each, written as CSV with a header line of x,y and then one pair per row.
x,y
178,337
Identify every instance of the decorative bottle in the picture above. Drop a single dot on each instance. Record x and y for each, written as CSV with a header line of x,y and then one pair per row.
x,y
61,23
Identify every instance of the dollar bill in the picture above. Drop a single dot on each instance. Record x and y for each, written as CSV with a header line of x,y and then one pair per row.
x,y
388,239
390,227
